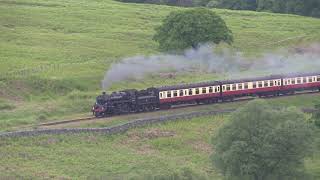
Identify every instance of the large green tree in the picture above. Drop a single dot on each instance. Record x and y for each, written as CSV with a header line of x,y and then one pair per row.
x,y
261,143
189,28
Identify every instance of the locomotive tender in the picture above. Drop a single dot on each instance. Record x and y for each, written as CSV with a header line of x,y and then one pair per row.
x,y
130,101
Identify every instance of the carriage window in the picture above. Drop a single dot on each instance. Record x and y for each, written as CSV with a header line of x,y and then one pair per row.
x,y
318,78
175,93
271,83
218,89
210,89
246,86
239,86
293,81
190,92
228,87
161,95
197,90
233,87
304,79
289,81
204,90
310,79
169,94
279,83
298,80
265,83
181,93
260,84
254,84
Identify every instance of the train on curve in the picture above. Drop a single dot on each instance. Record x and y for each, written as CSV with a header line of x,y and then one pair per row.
x,y
151,99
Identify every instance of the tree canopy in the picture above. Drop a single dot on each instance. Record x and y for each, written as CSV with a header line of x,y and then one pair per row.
x,y
189,28
262,143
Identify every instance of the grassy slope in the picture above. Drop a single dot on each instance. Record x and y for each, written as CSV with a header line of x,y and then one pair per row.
x,y
157,149
83,38
75,41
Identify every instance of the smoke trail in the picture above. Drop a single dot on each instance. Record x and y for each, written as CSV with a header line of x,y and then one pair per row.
x,y
205,60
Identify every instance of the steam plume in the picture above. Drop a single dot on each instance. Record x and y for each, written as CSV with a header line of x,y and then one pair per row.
x,y
204,59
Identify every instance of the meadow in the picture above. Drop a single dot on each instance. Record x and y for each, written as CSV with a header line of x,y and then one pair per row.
x,y
162,149
55,54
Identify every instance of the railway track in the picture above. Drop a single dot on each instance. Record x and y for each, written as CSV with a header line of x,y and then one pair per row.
x,y
94,118
67,121
114,129
128,125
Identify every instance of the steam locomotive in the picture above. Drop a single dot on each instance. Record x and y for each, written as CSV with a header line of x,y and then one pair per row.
x,y
151,99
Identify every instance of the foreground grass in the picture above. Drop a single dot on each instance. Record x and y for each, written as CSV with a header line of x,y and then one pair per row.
x,y
54,54
157,149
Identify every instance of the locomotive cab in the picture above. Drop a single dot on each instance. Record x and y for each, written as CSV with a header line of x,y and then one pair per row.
x,y
99,108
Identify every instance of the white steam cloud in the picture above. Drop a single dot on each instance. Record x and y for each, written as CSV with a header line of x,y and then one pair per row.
x,y
204,59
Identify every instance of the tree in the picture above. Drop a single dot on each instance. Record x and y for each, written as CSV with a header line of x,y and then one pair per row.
x,y
189,28
260,143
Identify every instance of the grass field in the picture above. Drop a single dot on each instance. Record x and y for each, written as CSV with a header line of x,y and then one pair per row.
x,y
154,150
54,54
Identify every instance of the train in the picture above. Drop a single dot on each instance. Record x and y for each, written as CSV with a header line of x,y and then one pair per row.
x,y
166,97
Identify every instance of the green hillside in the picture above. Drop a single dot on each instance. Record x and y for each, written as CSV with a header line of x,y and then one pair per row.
x,y
53,56
54,53
156,150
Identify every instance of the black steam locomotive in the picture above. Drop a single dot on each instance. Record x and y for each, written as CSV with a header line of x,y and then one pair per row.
x,y
126,101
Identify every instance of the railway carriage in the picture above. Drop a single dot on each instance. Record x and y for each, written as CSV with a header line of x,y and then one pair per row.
x,y
300,82
191,93
151,99
264,86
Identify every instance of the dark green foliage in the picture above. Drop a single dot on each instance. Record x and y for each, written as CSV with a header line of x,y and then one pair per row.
x,y
184,29
261,143
172,2
237,4
301,7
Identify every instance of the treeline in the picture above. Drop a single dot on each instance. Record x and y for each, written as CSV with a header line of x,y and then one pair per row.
x,y
187,3
300,7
